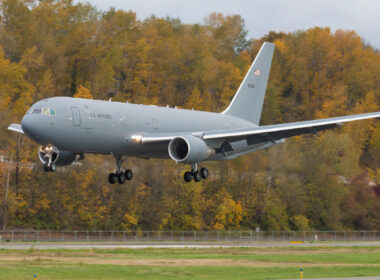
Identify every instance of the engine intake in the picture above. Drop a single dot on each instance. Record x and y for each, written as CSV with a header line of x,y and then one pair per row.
x,y
189,149
57,157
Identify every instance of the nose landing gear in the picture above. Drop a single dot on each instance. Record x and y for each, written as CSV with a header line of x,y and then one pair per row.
x,y
48,156
120,176
49,167
195,174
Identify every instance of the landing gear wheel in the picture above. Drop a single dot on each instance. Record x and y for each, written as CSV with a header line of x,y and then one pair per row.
x,y
128,174
52,167
112,178
204,173
188,176
121,178
49,167
197,176
46,167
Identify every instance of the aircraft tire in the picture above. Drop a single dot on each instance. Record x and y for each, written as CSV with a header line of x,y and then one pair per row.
x,y
52,168
112,178
197,176
188,176
46,168
204,173
121,178
128,174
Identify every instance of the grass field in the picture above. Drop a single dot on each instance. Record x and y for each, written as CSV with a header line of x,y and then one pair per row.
x,y
218,263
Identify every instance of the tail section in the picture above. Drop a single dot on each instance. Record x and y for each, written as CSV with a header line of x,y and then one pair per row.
x,y
248,101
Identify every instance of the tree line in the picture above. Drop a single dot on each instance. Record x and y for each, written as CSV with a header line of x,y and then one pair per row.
x,y
59,48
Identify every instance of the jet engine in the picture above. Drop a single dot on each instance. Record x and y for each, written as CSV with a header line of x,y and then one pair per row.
x,y
189,149
50,155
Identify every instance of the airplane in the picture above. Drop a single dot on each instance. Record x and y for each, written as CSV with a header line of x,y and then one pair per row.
x,y
68,128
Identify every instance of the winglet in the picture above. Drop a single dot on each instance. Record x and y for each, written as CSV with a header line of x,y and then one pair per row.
x,y
16,127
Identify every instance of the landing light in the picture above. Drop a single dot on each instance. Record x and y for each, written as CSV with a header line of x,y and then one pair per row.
x,y
137,138
48,148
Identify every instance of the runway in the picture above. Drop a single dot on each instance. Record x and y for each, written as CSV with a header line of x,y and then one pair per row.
x,y
174,245
343,278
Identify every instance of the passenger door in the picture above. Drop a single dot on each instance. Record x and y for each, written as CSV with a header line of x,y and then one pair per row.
x,y
76,116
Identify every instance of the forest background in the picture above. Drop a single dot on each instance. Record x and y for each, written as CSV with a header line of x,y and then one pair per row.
x,y
58,48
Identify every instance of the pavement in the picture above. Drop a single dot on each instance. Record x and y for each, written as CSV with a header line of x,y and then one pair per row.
x,y
343,278
174,245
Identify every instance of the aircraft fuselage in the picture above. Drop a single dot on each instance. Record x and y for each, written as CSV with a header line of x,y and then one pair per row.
x,y
95,126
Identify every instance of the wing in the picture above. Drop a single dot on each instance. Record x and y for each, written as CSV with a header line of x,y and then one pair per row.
x,y
277,132
16,127
262,134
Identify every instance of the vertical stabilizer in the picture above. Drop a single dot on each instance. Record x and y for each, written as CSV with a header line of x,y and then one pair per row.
x,y
248,101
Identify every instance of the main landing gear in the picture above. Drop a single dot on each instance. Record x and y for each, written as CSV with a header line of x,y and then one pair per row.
x,y
195,174
120,175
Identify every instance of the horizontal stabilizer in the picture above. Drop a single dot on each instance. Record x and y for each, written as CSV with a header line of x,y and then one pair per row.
x,y
16,127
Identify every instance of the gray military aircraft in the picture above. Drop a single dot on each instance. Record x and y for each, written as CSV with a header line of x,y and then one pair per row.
x,y
67,128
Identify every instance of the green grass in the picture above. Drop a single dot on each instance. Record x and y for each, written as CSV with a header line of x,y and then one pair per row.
x,y
356,255
316,262
346,258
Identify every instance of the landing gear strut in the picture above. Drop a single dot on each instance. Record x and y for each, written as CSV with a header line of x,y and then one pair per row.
x,y
195,174
120,175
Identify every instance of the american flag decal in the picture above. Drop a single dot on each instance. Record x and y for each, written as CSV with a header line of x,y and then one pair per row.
x,y
257,72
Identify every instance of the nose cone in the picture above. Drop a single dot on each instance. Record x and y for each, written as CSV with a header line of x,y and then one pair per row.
x,y
30,126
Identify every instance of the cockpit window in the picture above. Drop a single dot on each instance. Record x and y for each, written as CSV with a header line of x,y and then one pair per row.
x,y
44,111
36,111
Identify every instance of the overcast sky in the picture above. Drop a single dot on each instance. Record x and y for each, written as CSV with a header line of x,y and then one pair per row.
x,y
363,16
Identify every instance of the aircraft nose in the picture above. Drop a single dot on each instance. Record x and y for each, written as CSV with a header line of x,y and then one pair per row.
x,y
30,126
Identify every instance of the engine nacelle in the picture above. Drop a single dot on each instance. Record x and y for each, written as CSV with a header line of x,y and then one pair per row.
x,y
189,149
57,157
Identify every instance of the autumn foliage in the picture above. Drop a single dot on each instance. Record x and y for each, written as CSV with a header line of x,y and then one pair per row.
x,y
58,48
